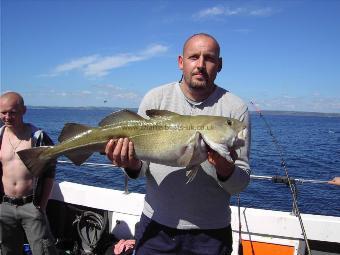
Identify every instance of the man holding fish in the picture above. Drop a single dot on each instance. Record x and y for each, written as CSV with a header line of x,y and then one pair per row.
x,y
181,216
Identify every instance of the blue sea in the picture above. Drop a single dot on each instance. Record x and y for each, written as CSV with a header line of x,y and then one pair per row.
x,y
310,146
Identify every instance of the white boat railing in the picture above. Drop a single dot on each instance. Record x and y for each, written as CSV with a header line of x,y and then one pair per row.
x,y
275,179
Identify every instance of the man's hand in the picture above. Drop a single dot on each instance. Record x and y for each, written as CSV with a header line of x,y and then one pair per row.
x,y
122,154
124,246
335,181
224,167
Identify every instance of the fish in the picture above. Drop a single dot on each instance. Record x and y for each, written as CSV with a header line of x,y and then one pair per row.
x,y
165,138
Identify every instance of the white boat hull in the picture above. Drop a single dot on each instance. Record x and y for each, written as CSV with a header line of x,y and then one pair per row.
x,y
261,231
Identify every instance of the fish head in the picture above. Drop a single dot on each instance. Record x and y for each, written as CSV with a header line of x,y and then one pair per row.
x,y
225,133
237,126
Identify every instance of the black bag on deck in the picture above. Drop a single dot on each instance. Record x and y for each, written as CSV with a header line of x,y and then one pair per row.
x,y
93,234
79,230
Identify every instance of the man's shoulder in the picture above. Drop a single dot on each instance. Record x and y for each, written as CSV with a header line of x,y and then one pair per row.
x,y
230,97
159,97
33,127
39,136
34,130
162,89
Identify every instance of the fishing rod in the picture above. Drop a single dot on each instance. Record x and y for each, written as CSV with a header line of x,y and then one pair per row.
x,y
290,183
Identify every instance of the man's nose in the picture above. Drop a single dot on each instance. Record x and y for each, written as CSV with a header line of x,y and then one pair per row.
x,y
201,62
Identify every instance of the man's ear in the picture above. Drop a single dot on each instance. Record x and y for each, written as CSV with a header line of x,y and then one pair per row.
x,y
180,62
24,110
220,65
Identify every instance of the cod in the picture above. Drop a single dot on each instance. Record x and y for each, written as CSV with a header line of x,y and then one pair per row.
x,y
165,138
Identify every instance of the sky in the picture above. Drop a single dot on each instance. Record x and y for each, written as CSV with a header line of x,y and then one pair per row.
x,y
281,55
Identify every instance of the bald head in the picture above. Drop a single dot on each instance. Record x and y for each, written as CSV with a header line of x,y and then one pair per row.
x,y
200,64
12,109
194,36
14,97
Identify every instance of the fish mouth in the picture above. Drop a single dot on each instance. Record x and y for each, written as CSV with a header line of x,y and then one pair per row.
x,y
242,134
240,139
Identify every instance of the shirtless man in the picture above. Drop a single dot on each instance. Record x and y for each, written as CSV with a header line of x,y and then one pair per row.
x,y
23,199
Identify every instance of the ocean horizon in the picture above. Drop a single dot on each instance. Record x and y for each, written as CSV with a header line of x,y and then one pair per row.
x,y
270,112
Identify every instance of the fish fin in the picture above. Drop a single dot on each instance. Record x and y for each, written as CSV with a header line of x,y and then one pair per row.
x,y
33,160
70,130
191,174
186,156
153,113
77,158
122,115
193,152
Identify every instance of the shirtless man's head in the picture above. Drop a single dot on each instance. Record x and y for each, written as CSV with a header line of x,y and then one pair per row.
x,y
12,110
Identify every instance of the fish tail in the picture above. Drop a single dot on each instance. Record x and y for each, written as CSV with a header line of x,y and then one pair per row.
x,y
34,160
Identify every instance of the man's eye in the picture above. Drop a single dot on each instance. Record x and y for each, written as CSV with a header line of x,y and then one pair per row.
x,y
211,59
9,113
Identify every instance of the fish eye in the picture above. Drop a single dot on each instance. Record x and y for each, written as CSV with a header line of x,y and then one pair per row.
x,y
229,122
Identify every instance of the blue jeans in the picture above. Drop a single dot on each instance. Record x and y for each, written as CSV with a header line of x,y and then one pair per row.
x,y
16,218
154,238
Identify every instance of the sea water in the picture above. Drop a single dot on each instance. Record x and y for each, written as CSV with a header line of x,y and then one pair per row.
x,y
309,145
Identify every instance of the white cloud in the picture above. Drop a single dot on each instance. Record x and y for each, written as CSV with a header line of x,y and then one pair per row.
x,y
234,12
261,12
75,64
154,50
104,65
227,12
301,103
97,66
86,92
213,11
111,92
95,95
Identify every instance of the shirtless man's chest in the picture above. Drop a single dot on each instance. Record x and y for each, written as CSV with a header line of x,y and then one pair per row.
x,y
16,179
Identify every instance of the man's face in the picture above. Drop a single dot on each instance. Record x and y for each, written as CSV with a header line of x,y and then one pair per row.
x,y
200,63
11,112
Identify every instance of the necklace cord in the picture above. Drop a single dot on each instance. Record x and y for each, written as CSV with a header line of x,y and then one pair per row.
x,y
14,147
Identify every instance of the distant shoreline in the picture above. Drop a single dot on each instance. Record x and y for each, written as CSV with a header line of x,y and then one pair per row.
x,y
265,112
297,113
